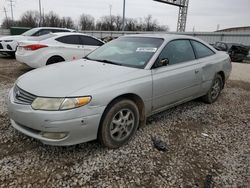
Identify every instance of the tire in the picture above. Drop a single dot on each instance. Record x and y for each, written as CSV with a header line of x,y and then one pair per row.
x,y
119,124
54,59
214,91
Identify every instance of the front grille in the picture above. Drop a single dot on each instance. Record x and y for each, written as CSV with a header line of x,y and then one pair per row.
x,y
23,97
1,46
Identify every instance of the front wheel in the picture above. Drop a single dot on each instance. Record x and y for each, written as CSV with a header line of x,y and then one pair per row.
x,y
214,91
119,124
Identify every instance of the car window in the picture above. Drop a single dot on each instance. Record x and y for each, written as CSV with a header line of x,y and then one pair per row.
x,y
128,51
43,37
59,30
201,50
85,40
42,32
71,39
177,51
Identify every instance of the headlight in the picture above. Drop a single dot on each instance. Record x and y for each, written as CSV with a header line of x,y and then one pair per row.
x,y
8,40
53,104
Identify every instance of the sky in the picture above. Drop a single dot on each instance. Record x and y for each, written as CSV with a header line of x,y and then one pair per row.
x,y
203,15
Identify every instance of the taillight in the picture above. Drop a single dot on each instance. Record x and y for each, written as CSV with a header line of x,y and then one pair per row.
x,y
34,47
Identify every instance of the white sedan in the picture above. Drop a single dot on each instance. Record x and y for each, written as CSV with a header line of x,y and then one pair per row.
x,y
8,44
55,47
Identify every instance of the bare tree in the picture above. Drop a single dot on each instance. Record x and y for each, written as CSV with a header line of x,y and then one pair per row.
x,y
87,22
150,24
118,23
7,23
67,22
106,23
29,19
51,20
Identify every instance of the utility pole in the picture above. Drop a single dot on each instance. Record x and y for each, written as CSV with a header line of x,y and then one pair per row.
x,y
5,12
123,18
40,12
11,7
110,17
6,17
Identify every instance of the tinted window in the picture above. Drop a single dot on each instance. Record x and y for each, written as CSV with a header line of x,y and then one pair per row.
x,y
42,32
71,39
90,41
177,51
58,30
201,50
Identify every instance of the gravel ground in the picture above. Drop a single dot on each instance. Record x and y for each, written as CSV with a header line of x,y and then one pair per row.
x,y
202,140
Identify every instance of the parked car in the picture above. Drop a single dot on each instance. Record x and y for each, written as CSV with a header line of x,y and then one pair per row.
x,y
237,52
55,47
8,44
107,95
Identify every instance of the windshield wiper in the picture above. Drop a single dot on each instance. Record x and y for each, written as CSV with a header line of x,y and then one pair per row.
x,y
87,58
108,61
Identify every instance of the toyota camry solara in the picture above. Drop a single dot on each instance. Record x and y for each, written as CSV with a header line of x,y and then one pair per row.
x,y
110,93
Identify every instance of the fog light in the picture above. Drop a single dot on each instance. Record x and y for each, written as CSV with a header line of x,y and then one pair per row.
x,y
56,136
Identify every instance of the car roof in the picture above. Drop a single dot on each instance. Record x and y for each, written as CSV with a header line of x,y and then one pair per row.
x,y
163,36
60,34
67,33
59,28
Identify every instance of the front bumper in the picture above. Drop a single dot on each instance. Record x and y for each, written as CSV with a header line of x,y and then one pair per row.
x,y
6,47
80,124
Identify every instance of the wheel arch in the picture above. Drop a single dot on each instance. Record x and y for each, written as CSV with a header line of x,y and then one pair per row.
x,y
222,74
54,56
130,96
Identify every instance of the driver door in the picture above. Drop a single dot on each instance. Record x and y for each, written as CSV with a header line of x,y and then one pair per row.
x,y
180,79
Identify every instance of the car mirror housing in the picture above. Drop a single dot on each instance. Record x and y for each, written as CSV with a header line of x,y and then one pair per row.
x,y
164,62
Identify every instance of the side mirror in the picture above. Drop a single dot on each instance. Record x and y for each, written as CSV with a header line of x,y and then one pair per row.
x,y
164,62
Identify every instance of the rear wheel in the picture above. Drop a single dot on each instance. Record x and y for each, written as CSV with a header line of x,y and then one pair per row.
x,y
54,59
119,124
214,91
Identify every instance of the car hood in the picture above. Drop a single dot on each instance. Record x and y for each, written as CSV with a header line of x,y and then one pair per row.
x,y
66,79
16,38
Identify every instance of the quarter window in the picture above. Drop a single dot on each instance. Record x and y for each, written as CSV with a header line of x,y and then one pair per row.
x,y
71,39
177,51
201,50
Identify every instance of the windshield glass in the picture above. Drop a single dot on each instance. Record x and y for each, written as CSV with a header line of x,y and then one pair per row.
x,y
30,32
42,37
127,51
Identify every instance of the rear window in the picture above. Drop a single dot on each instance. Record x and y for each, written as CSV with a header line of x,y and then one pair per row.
x,y
71,39
90,41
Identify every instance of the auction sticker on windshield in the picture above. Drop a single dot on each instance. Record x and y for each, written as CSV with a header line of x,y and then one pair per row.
x,y
146,49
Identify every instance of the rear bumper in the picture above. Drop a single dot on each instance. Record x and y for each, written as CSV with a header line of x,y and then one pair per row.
x,y
79,125
32,60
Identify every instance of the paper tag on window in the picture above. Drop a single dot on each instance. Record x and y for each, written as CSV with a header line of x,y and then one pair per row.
x,y
146,49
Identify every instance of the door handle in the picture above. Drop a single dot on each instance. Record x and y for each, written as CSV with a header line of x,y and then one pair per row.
x,y
196,71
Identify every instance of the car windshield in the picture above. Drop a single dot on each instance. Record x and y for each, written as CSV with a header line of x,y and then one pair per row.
x,y
127,51
42,37
30,32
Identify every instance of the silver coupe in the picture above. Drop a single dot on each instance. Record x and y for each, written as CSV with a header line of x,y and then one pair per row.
x,y
110,93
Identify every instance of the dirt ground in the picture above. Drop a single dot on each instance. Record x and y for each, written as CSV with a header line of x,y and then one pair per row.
x,y
204,142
